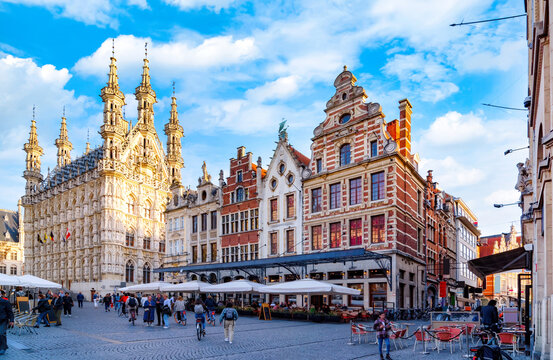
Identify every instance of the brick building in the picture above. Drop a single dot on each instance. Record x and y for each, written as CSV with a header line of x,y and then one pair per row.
x,y
364,191
240,209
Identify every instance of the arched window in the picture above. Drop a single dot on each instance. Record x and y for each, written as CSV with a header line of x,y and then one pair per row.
x,y
129,272
239,194
345,154
146,273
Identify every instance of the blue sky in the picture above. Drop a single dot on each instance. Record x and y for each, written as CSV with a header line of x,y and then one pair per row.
x,y
242,66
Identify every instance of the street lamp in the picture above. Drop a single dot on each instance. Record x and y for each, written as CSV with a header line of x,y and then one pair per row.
x,y
508,151
498,206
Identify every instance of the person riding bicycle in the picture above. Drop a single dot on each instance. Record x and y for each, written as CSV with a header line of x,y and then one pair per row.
x,y
490,316
132,305
210,304
199,312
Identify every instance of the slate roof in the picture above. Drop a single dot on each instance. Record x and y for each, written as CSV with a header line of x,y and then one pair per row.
x,y
9,225
75,168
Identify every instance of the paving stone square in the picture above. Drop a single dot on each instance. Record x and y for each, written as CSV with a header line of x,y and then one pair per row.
x,y
95,334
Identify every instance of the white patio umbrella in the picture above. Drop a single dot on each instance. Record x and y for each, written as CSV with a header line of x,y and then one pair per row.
x,y
153,286
9,280
190,286
309,287
235,287
32,281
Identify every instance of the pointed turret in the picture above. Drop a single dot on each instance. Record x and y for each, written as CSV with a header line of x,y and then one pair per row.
x,y
145,96
174,132
115,127
34,152
64,145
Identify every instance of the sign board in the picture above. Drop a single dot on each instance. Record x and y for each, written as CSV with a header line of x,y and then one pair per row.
x,y
443,289
265,312
23,304
510,315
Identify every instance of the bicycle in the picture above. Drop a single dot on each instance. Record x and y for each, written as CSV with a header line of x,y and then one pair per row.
x,y
210,318
182,320
133,316
199,331
490,352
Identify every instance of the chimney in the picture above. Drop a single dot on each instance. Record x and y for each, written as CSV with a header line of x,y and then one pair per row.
x,y
259,176
241,152
429,176
405,110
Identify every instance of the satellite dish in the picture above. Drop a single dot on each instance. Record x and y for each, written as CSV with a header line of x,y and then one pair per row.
x,y
306,173
390,146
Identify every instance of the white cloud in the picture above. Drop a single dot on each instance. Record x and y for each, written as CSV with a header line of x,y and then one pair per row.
x,y
454,128
91,12
503,196
23,84
281,88
215,5
451,174
168,60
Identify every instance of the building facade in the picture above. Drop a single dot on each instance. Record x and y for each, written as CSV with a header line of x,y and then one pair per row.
x,y
468,235
363,191
241,197
534,180
97,221
281,202
11,241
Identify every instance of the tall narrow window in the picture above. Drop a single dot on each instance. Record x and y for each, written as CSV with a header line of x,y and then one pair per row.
x,y
204,222
147,243
290,241
239,176
129,239
319,165
162,246
377,229
254,219
239,194
316,200
195,224
213,252
419,202
374,148
204,252
274,209
129,272
274,243
377,186
355,232
345,154
335,235
146,273
355,191
194,254
316,237
335,196
213,220
290,206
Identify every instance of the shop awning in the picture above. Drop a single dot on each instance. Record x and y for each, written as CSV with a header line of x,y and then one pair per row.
x,y
516,259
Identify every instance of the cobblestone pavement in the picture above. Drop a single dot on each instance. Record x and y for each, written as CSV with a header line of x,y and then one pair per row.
x,y
95,334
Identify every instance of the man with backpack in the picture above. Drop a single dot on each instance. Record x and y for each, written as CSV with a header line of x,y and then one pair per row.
x,y
131,305
229,315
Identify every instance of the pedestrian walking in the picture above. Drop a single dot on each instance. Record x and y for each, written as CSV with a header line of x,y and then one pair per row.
x,y
132,305
166,311
117,301
43,307
80,299
229,315
6,320
95,300
149,311
67,304
179,308
159,307
107,302
57,304
382,327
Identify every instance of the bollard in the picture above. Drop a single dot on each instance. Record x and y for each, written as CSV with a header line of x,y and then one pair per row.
x,y
350,333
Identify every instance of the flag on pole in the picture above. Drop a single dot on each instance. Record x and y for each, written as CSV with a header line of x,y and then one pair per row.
x,y
67,235
51,236
38,238
45,237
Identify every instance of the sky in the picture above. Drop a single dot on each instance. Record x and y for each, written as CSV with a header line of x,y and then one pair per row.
x,y
240,67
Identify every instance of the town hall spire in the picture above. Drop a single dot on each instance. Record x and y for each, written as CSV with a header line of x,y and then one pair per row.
x,y
63,144
174,132
145,95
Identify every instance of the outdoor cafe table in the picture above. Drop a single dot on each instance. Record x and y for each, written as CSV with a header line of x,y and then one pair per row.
x,y
433,332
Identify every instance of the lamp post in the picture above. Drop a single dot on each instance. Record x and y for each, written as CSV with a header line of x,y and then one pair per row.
x,y
508,151
498,206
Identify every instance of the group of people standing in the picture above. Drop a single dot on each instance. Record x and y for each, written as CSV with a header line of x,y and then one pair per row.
x,y
51,305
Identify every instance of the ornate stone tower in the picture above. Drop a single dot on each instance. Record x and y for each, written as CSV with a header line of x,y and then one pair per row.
x,y
175,133
63,145
145,96
115,127
34,152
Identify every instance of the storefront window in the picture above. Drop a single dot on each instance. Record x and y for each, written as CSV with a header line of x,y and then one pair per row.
x,y
355,274
335,275
377,294
356,300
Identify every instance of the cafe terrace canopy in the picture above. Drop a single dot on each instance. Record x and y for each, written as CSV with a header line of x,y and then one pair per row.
x,y
7,280
235,287
153,286
191,286
516,259
309,287
31,281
